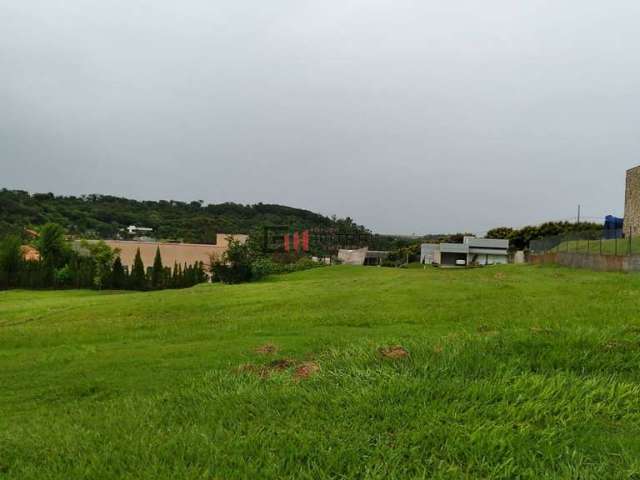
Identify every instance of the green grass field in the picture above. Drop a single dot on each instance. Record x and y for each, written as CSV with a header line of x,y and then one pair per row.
x,y
512,372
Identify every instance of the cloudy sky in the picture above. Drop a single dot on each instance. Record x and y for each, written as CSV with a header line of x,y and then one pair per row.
x,y
410,116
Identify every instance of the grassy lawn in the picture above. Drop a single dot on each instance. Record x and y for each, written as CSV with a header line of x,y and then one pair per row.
x,y
512,372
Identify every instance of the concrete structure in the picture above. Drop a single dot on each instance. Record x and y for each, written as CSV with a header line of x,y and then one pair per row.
x,y
361,256
601,263
487,251
171,253
352,257
632,202
454,254
430,253
472,251
375,257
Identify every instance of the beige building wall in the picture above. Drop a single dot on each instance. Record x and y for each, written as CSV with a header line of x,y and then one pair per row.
x,y
632,202
171,253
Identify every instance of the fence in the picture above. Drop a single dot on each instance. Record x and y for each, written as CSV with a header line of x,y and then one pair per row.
x,y
592,242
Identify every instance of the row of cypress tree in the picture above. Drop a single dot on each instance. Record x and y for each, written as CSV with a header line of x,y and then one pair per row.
x,y
94,265
158,276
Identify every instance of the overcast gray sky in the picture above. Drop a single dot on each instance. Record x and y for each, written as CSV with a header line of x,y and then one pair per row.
x,y
410,116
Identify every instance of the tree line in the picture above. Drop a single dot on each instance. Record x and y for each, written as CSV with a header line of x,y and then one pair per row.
x,y
520,238
105,216
88,265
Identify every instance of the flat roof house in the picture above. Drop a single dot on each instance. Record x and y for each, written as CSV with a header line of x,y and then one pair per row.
x,y
487,251
472,251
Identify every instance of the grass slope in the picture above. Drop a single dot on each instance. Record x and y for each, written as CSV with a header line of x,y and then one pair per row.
x,y
620,246
514,372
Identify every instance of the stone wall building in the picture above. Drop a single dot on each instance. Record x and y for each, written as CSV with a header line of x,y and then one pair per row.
x,y
632,202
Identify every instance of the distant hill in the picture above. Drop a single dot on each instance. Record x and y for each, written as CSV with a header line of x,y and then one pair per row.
x,y
103,216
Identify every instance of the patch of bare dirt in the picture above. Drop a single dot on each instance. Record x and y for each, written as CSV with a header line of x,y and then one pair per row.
x,y
395,352
265,371
306,370
267,349
500,276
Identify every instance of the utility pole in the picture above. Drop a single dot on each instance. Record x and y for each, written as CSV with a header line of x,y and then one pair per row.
x,y
578,214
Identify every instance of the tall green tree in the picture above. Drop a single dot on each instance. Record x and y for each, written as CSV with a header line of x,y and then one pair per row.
x,y
118,275
52,246
179,276
138,279
10,261
157,274
102,256
174,275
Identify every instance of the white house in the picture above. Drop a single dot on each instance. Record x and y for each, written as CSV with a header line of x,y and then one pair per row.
x,y
132,230
472,251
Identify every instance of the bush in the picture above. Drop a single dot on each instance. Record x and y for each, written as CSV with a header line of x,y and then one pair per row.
x,y
236,273
63,276
235,264
305,263
263,267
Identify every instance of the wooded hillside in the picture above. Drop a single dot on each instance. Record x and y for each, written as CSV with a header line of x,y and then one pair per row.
x,y
103,216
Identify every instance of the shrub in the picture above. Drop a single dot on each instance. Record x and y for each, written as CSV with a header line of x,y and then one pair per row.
x,y
263,267
305,263
64,276
235,264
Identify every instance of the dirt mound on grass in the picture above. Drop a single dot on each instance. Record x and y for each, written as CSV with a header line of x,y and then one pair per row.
x,y
267,349
394,352
306,370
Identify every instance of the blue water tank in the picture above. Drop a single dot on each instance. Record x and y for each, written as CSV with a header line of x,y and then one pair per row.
x,y
613,227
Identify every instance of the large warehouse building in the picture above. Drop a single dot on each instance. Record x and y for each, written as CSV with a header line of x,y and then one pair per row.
x,y
632,202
